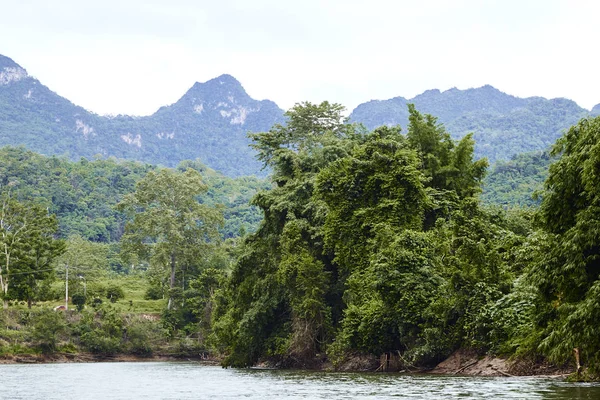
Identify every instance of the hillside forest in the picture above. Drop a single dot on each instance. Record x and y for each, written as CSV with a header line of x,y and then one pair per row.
x,y
390,240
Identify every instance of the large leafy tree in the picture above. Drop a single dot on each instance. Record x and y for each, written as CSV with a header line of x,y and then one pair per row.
x,y
28,247
567,267
367,242
376,201
169,227
282,292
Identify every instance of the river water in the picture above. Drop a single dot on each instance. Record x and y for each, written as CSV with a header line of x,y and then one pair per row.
x,y
179,380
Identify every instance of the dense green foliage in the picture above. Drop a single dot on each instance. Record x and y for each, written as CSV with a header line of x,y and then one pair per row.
x,y
371,241
517,182
83,194
566,269
377,242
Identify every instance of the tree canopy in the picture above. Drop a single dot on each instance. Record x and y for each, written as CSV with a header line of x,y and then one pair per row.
x,y
169,227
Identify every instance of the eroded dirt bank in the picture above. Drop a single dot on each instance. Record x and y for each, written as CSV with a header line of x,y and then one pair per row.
x,y
465,362
461,362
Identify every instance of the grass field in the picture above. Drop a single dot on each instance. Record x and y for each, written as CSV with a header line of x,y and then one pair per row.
x,y
134,288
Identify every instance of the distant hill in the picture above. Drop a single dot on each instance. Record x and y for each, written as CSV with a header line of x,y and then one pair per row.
x,y
83,194
514,182
503,125
209,122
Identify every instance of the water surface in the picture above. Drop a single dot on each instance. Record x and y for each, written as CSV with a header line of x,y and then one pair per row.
x,y
177,380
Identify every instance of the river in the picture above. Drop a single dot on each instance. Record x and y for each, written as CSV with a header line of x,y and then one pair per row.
x,y
188,380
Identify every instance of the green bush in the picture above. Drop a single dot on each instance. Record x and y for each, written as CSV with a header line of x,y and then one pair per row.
x,y
96,302
79,300
96,290
141,336
100,332
114,293
154,293
47,326
96,341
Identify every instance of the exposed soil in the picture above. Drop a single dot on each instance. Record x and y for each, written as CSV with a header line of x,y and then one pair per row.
x,y
461,362
466,362
359,363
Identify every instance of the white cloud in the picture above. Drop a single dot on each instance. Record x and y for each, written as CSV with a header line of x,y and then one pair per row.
x,y
135,56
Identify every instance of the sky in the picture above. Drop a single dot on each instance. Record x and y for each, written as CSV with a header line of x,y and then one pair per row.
x,y
134,56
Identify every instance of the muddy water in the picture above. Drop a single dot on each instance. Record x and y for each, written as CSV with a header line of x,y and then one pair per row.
x,y
163,380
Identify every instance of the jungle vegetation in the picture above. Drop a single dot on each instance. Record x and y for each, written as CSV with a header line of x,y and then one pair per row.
x,y
369,242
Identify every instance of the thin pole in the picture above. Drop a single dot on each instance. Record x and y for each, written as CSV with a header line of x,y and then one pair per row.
x,y
67,287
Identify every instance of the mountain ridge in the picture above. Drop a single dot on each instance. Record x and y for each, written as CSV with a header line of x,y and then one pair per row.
x,y
503,125
210,122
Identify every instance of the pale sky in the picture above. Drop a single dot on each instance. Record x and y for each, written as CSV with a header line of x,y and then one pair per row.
x,y
133,56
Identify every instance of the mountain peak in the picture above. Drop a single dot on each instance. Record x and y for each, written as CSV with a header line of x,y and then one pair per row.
x,y
226,79
222,87
6,62
221,82
10,71
596,110
489,87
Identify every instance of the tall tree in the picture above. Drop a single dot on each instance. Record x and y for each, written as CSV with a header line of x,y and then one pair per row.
x,y
567,267
168,226
281,288
28,247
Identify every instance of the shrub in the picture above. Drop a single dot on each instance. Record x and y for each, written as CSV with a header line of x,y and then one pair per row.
x,y
47,325
154,293
79,300
96,341
114,293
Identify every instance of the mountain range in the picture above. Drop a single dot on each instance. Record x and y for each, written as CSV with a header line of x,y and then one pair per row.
x,y
503,125
211,121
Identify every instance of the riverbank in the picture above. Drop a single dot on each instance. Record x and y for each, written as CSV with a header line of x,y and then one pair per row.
x,y
92,358
469,363
463,362
460,363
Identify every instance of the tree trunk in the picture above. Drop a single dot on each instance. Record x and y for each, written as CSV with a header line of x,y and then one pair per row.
x,y
171,282
5,291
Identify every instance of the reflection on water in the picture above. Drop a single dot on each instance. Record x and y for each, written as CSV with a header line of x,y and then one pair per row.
x,y
162,380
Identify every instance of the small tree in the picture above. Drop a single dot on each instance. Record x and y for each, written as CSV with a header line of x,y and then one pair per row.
x,y
46,328
79,300
27,248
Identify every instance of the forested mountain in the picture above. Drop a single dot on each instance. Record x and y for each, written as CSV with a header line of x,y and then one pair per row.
x,y
83,194
503,125
209,122
514,182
